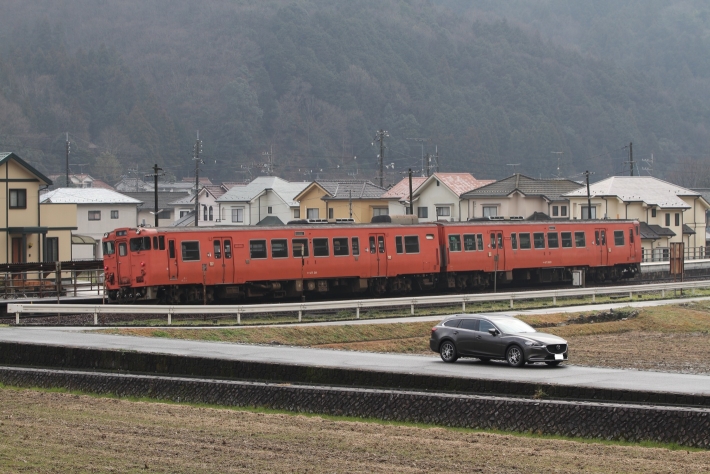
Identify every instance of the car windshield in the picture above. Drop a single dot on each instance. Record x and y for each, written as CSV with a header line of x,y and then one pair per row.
x,y
513,326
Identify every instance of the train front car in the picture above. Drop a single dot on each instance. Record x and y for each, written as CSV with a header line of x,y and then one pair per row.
x,y
130,265
479,254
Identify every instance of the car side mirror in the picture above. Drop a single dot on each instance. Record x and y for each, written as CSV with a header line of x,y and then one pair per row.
x,y
493,331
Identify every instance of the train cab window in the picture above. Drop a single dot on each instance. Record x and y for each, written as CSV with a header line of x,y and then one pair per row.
x,y
190,251
356,246
300,248
469,242
619,237
381,244
566,240
257,249
171,249
279,248
493,241
227,248
372,245
552,240
411,244
455,243
479,239
122,249
398,244
539,240
109,247
320,248
579,240
514,241
140,243
524,241
340,246
217,249
161,242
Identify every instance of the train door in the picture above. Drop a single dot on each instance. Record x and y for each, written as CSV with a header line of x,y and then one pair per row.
x,y
123,262
378,255
222,255
172,260
601,243
497,249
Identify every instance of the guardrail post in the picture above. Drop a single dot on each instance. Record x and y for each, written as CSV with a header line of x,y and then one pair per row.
x,y
239,317
631,295
357,312
300,315
511,303
411,310
554,300
594,297
170,318
17,318
96,318
663,293
463,306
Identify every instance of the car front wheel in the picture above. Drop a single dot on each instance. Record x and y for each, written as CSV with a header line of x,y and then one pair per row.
x,y
514,356
448,352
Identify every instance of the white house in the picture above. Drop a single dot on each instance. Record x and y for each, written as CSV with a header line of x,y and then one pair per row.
x,y
98,211
266,197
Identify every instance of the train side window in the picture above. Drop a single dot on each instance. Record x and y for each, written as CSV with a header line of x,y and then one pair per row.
x,y
122,249
257,249
217,249
552,240
524,241
455,243
356,246
340,246
539,240
171,249
493,241
140,243
320,248
596,237
398,244
372,245
279,248
618,237
500,240
381,243
479,239
190,251
155,242
227,248
469,242
579,240
603,237
300,248
514,241
161,242
411,243
566,240
631,236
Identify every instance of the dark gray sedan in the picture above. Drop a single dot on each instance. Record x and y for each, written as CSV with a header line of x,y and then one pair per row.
x,y
490,336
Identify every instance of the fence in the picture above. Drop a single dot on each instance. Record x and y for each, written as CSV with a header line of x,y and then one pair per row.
x,y
355,305
662,254
48,283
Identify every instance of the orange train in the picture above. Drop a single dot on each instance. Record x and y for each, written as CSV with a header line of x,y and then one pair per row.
x,y
196,265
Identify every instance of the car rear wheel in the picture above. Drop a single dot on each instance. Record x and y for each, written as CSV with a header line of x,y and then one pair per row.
x,y
514,356
448,352
553,363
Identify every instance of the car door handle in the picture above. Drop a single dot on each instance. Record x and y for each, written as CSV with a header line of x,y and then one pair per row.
x,y
478,337
456,332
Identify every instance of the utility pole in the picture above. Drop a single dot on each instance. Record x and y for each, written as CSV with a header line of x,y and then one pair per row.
x,y
411,204
350,202
380,136
428,164
196,157
436,158
270,162
67,158
631,158
589,198
421,142
155,189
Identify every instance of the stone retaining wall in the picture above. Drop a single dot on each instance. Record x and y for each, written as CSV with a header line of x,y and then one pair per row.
x,y
686,426
35,355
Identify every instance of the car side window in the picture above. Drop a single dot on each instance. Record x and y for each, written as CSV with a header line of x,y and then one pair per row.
x,y
470,324
452,323
485,326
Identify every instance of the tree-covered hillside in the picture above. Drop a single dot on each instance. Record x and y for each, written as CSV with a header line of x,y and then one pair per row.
x,y
133,81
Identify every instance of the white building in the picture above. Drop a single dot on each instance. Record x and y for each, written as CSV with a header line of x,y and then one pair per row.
x,y
98,211
265,197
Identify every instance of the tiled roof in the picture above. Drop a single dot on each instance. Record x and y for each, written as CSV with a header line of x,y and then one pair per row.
x,y
148,199
647,233
215,189
357,189
461,183
284,189
647,189
687,230
661,231
87,196
401,189
550,189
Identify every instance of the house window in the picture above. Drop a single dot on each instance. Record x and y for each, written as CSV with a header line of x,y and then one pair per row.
x,y
668,219
490,211
94,215
269,210
18,199
555,211
238,214
380,211
161,215
677,219
563,211
423,212
312,213
204,213
443,211
52,249
585,212
211,213
114,214
183,214
330,213
296,213
653,212
407,211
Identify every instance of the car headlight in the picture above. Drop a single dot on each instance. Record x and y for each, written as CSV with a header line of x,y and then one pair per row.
x,y
534,344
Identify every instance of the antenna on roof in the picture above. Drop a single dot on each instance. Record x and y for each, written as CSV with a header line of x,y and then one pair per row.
x,y
513,165
559,155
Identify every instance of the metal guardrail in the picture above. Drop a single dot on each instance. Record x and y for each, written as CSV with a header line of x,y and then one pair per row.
x,y
356,305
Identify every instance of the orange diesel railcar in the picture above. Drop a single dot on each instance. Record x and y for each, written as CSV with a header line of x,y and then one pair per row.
x,y
188,265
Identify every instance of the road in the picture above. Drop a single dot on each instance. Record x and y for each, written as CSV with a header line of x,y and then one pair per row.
x,y
395,363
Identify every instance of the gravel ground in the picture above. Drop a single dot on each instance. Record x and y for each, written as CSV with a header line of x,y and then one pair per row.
x,y
57,432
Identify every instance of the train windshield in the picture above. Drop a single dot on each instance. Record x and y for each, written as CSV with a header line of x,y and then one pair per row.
x,y
109,247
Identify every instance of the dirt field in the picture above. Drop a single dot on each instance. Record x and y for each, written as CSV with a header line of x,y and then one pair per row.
x,y
56,432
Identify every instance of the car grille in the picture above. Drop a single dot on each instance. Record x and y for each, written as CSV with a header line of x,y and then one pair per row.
x,y
557,348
